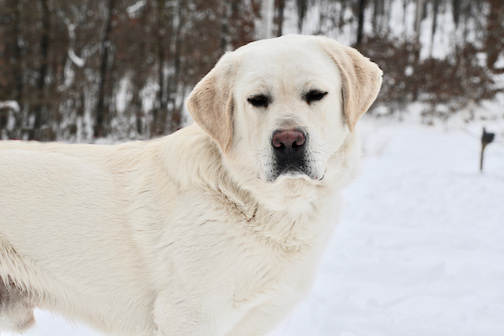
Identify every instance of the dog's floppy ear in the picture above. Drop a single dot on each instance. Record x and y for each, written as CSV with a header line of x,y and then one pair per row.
x,y
361,79
211,102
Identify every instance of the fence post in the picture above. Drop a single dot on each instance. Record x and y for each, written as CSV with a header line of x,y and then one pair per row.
x,y
486,138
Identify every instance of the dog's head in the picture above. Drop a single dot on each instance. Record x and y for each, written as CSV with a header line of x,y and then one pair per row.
x,y
281,108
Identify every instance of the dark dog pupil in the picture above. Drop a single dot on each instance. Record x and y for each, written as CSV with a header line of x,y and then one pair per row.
x,y
314,96
259,101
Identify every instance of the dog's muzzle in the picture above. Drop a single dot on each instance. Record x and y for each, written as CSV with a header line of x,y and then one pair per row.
x,y
289,149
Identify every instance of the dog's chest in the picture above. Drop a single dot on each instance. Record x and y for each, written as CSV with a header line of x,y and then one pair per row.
x,y
270,254
270,272
266,289
242,259
272,277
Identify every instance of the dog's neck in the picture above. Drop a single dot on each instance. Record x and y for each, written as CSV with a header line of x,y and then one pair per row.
x,y
290,231
297,219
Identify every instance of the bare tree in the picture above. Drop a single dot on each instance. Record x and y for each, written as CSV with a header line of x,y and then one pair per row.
x,y
280,21
418,19
494,42
302,8
40,108
360,27
102,117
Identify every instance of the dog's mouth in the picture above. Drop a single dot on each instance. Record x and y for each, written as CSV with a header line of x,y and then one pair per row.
x,y
292,171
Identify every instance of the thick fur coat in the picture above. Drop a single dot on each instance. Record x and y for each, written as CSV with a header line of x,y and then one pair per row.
x,y
215,230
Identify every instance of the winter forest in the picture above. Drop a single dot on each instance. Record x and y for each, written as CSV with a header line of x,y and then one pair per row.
x,y
121,69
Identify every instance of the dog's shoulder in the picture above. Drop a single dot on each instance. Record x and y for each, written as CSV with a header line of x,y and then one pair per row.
x,y
190,157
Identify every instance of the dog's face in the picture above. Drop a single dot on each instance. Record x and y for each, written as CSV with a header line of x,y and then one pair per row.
x,y
288,116
281,108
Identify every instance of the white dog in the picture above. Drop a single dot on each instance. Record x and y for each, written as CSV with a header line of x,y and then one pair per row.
x,y
214,230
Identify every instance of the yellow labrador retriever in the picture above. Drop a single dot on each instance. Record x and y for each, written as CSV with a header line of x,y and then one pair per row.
x,y
214,230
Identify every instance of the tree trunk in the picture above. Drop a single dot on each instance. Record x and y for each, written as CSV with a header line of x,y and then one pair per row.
x,y
360,27
435,8
281,10
101,113
418,20
225,15
159,112
456,12
302,8
377,14
494,41
40,107
173,118
18,71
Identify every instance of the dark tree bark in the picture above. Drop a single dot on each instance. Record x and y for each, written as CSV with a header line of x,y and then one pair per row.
x,y
16,62
18,73
456,11
378,11
360,27
302,8
40,108
435,9
159,112
173,82
101,112
281,10
494,42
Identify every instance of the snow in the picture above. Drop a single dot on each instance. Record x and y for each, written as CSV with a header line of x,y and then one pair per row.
x,y
133,10
123,95
418,250
10,104
78,61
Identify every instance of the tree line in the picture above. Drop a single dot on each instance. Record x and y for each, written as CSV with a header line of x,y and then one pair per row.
x,y
66,63
81,70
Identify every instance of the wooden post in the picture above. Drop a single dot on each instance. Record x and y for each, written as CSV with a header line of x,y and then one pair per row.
x,y
483,145
486,138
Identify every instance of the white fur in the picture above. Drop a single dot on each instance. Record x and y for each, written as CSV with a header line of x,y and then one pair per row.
x,y
174,236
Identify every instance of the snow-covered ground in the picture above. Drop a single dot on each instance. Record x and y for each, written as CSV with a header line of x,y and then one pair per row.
x,y
419,249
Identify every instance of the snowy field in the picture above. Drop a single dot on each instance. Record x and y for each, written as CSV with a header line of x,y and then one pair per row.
x,y
419,250
420,247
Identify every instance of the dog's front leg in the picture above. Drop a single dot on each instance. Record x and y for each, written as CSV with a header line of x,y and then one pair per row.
x,y
188,315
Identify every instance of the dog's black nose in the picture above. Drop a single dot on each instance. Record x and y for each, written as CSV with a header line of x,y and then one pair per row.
x,y
286,140
289,149
288,146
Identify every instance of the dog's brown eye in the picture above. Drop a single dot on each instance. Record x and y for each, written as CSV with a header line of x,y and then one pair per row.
x,y
259,101
314,95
